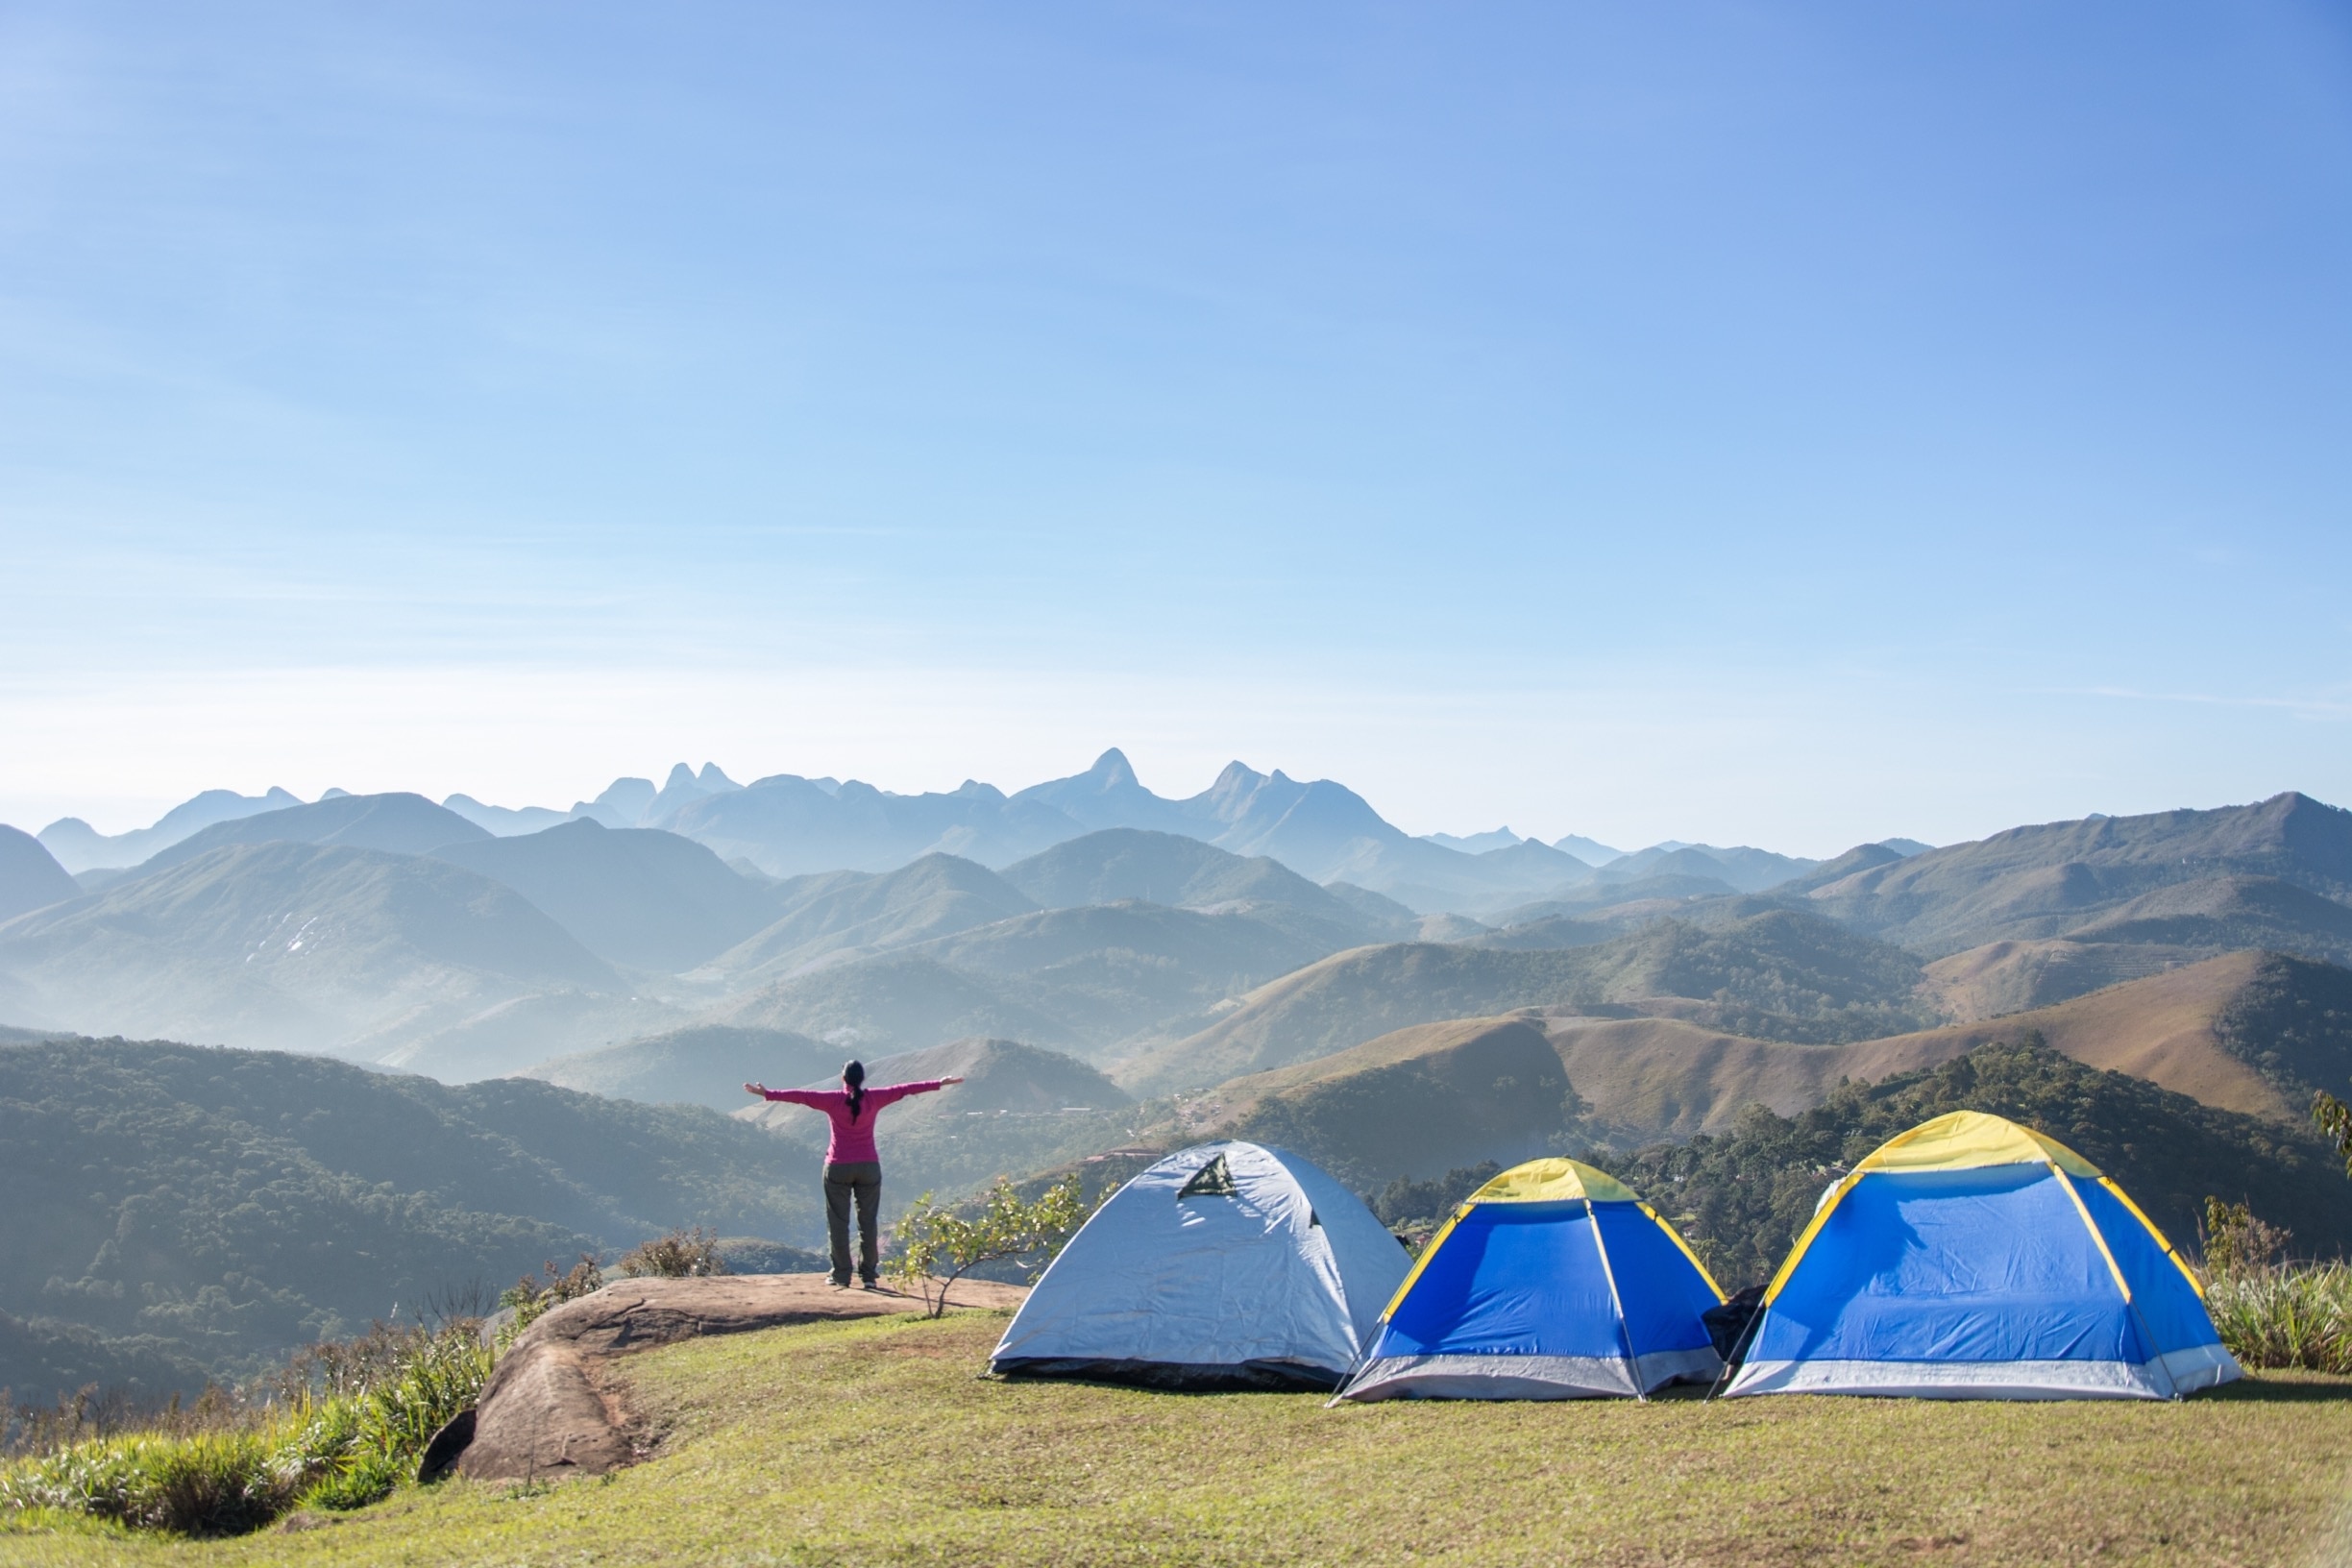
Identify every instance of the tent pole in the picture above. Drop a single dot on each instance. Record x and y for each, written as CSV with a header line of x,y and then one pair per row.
x,y
1625,1335
2114,1269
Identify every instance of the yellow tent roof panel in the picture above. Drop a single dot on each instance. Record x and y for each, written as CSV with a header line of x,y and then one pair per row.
x,y
1553,1181
1966,1139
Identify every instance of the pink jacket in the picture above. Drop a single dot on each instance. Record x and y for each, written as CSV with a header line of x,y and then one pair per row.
x,y
854,1141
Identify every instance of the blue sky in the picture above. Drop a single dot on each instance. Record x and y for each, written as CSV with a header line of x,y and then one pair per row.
x,y
1777,424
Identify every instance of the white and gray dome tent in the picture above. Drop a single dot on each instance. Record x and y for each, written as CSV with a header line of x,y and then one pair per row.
x,y
1225,1265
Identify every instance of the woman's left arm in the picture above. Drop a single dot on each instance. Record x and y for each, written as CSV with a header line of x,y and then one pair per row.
x,y
899,1092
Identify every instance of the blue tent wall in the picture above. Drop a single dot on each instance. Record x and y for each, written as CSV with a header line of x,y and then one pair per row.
x,y
1548,1298
1517,1279
1990,1264
1974,1258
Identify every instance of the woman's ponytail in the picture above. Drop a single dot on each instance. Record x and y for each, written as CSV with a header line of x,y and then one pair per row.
x,y
853,1076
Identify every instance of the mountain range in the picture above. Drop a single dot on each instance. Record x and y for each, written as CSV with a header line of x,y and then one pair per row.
x,y
1112,971
393,930
787,825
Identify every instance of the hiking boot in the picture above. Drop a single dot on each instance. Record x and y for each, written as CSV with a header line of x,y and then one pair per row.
x,y
839,1284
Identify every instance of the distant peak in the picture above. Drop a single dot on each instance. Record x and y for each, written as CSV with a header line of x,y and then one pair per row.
x,y
711,779
336,795
681,776
1113,768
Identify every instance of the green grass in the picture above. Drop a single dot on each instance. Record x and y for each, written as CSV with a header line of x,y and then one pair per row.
x,y
875,1443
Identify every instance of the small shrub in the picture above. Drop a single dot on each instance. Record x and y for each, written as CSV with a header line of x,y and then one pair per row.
x,y
937,1246
366,1476
529,1297
2236,1242
680,1255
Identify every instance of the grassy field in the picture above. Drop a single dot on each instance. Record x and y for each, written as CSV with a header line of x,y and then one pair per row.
x,y
876,1443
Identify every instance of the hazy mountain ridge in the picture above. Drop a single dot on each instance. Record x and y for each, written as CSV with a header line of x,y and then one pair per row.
x,y
292,945
400,823
636,897
30,876
789,825
1117,865
2050,879
705,1064
81,847
891,1003
846,913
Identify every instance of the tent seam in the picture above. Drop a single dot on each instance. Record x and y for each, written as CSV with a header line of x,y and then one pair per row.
x,y
1625,1330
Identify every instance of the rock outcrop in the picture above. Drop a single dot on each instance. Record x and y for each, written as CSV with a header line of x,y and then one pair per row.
x,y
552,1410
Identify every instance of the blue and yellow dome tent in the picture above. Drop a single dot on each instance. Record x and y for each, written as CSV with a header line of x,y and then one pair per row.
x,y
1971,1258
1553,1281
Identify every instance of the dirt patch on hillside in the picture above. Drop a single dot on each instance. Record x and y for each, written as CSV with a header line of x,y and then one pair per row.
x,y
1648,1078
2160,1028
552,1407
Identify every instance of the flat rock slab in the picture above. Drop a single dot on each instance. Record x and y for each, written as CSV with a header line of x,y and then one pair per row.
x,y
549,1410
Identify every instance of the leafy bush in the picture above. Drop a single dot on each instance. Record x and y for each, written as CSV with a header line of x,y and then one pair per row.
x,y
2236,1242
365,1477
937,1246
529,1297
678,1256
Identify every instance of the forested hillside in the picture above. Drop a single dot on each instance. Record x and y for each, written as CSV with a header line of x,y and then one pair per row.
x,y
1741,1197
208,1207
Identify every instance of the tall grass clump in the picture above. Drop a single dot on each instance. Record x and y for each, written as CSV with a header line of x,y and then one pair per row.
x,y
2270,1313
339,1427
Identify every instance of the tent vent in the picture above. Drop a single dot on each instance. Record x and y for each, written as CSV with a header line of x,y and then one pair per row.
x,y
1211,1180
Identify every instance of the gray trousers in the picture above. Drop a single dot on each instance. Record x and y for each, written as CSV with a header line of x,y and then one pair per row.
x,y
861,1179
